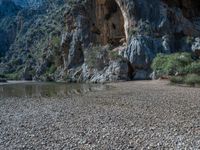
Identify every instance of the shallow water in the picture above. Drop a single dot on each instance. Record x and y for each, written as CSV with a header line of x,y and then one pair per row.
x,y
46,89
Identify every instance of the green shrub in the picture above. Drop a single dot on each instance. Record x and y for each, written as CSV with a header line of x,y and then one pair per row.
x,y
13,76
91,56
132,31
15,62
56,41
97,57
159,63
177,79
192,79
52,69
193,68
171,64
189,39
113,55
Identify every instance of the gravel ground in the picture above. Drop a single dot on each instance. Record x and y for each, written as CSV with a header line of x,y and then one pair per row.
x,y
131,115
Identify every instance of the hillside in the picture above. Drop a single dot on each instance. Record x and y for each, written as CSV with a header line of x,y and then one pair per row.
x,y
93,40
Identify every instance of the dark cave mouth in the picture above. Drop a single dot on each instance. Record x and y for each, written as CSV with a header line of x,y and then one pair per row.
x,y
108,23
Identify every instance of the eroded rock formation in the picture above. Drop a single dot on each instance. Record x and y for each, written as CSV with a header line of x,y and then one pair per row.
x,y
148,27
136,30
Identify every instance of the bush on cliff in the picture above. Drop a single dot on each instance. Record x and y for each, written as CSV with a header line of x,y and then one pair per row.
x,y
97,57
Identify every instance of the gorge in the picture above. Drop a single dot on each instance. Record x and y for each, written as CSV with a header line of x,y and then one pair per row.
x,y
93,40
144,56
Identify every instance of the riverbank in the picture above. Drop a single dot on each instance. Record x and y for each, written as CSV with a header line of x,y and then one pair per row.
x,y
131,115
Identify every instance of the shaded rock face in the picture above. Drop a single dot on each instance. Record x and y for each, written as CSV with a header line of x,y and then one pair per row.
x,y
137,30
9,8
189,8
108,22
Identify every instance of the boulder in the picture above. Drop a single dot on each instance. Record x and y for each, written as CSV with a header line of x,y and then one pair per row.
x,y
196,47
117,70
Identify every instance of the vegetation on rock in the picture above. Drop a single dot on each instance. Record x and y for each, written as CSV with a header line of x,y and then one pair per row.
x,y
182,68
50,39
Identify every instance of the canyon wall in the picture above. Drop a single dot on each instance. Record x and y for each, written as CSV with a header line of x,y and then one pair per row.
x,y
106,40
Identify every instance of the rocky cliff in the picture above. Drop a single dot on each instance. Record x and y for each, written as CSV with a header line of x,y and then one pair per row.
x,y
97,40
25,3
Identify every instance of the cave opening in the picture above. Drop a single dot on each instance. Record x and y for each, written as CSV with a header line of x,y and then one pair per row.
x,y
189,8
108,23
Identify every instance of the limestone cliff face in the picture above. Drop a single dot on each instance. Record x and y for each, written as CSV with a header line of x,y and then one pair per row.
x,y
135,30
143,27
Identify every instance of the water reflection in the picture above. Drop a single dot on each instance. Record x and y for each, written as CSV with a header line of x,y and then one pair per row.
x,y
35,89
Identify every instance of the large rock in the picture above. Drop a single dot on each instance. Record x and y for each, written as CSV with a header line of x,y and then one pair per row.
x,y
141,50
117,70
196,47
140,53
